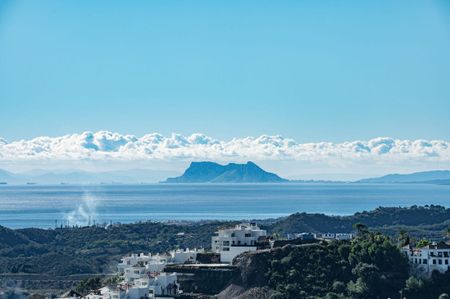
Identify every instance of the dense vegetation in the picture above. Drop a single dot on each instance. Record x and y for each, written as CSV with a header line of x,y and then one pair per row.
x,y
419,221
367,267
370,266
92,249
67,251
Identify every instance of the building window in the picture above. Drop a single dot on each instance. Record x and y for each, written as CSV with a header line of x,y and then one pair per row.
x,y
248,235
446,262
226,249
434,261
425,261
226,243
440,262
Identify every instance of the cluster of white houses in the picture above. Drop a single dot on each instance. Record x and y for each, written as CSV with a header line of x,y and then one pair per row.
x,y
426,259
144,275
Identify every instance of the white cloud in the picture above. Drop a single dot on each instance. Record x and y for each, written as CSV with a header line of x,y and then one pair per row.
x,y
105,145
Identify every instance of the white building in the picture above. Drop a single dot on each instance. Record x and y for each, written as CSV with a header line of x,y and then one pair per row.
x,y
151,263
303,236
108,292
429,258
231,242
180,256
164,284
136,264
337,236
143,275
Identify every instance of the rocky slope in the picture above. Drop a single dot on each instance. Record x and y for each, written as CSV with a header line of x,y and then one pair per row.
x,y
210,172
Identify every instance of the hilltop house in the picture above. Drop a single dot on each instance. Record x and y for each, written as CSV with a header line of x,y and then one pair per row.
x,y
231,242
428,258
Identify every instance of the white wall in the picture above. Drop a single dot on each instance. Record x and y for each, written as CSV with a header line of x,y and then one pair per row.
x,y
228,256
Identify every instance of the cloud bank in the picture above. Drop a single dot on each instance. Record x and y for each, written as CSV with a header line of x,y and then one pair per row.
x,y
104,145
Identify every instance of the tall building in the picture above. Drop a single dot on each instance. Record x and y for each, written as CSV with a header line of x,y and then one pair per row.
x,y
231,242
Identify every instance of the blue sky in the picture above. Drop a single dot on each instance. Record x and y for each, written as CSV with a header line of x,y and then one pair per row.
x,y
308,70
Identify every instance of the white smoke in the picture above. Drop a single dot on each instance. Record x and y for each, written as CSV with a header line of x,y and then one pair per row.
x,y
85,213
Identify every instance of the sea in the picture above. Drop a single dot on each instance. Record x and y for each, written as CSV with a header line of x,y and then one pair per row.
x,y
52,206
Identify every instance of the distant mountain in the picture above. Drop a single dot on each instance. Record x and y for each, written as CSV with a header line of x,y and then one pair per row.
x,y
132,176
210,172
6,176
428,177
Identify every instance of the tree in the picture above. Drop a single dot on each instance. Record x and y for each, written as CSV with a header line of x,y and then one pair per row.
x,y
88,284
403,238
413,285
360,228
423,243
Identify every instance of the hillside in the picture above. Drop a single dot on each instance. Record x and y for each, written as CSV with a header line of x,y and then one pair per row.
x,y
32,250
429,177
210,172
130,176
387,219
369,267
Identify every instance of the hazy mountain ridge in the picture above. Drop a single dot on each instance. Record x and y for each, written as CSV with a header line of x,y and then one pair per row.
x,y
429,177
132,176
210,172
201,172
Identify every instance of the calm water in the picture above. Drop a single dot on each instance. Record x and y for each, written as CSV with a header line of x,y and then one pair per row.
x,y
40,206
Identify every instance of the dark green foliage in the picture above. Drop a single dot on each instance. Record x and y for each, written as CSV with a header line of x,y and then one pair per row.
x,y
93,249
419,221
437,286
368,267
88,284
423,243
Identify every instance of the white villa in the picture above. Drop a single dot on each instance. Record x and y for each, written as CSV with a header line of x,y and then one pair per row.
x,y
336,236
135,266
143,276
142,263
429,258
231,242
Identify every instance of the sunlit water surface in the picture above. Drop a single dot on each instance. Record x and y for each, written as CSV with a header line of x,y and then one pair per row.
x,y
43,206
